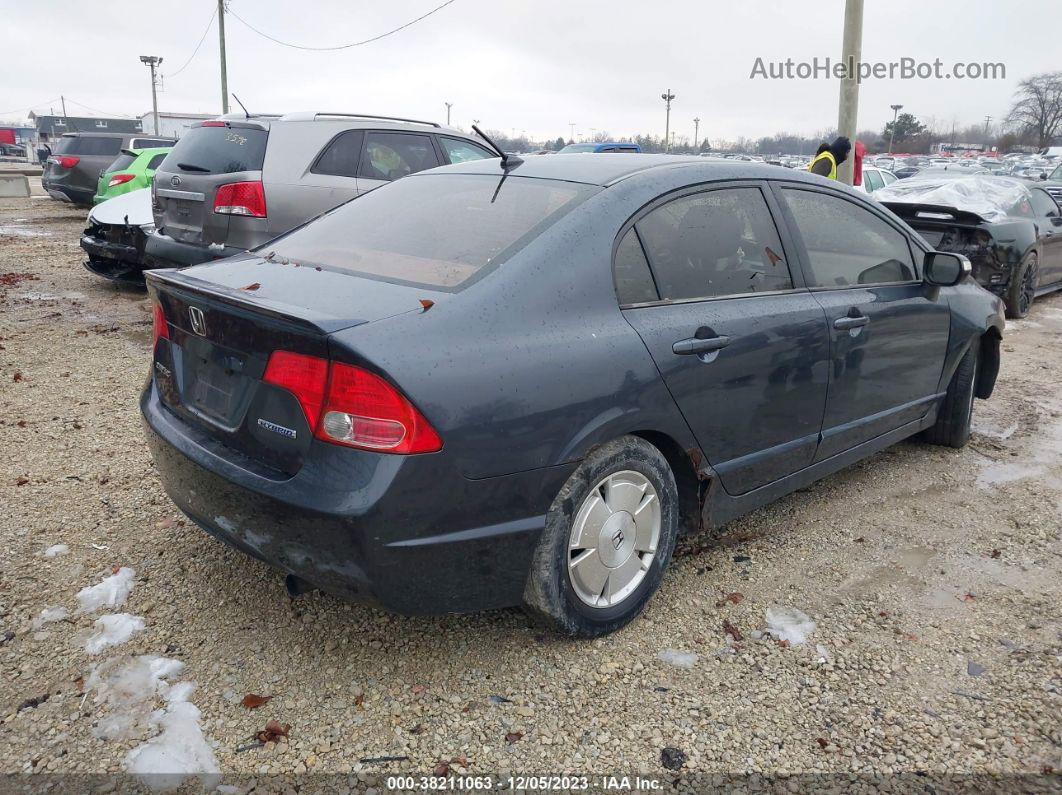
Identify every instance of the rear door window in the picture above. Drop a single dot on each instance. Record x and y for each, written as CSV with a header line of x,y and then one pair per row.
x,y
847,244
634,280
720,242
156,161
463,151
390,156
219,150
436,231
340,156
1043,204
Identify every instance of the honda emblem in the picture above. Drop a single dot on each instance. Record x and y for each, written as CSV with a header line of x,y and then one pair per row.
x,y
195,314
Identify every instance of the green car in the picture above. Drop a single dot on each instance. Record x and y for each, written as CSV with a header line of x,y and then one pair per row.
x,y
131,170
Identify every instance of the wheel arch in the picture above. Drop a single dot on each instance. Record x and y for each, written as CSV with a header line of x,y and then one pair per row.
x,y
692,475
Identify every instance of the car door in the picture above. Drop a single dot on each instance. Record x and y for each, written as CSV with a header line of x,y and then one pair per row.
x,y
889,330
332,178
387,156
743,348
1049,229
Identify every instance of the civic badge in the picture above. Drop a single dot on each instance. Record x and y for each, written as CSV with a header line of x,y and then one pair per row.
x,y
175,180
195,314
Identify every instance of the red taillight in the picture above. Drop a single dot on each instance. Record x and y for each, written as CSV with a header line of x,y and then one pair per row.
x,y
350,406
65,161
304,376
240,198
158,324
120,179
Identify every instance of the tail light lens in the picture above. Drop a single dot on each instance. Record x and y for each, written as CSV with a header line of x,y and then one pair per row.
x,y
158,325
64,161
120,179
240,198
351,406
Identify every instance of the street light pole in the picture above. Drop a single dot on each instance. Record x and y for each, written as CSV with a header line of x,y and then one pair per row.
x,y
667,96
988,121
696,131
571,135
448,106
224,67
848,104
892,136
153,61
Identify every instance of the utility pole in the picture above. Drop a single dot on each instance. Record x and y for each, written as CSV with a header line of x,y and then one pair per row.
x,y
153,61
63,100
988,121
667,96
848,104
892,136
448,106
696,131
571,134
224,69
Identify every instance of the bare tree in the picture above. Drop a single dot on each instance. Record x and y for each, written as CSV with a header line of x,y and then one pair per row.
x,y
1038,107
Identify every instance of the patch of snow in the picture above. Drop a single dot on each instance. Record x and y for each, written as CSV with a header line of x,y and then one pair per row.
x,y
682,659
180,750
49,614
55,550
788,623
112,630
127,687
111,592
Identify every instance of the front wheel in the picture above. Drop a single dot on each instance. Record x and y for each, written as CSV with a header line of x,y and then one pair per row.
x,y
952,428
609,536
1022,288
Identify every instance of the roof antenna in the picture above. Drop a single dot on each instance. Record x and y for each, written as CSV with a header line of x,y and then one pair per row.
x,y
508,161
245,113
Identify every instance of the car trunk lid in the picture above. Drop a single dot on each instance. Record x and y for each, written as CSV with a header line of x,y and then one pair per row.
x,y
223,325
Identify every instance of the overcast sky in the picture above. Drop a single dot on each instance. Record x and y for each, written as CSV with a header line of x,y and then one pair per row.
x,y
521,65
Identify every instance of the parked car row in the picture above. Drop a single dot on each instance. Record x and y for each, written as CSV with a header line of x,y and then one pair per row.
x,y
71,173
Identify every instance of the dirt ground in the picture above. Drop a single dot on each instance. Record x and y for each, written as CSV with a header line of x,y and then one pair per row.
x,y
933,576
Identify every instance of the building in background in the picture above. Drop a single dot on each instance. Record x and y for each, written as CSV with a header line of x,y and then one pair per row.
x,y
173,125
49,128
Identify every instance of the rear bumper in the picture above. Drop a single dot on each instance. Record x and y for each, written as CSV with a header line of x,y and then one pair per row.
x,y
163,251
68,193
406,533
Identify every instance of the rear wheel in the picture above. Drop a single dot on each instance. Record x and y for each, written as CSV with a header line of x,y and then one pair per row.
x,y
1022,288
609,536
952,428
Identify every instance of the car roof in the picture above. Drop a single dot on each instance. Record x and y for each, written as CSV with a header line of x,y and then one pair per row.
x,y
602,169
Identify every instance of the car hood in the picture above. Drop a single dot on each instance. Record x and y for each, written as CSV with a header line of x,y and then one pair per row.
x,y
133,208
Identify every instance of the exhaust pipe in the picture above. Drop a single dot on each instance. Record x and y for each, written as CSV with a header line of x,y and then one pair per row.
x,y
297,586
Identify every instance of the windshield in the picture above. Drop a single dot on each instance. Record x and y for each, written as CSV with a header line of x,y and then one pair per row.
x,y
577,148
435,231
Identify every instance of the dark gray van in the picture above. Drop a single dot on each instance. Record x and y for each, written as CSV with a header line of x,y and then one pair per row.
x,y
236,182
72,170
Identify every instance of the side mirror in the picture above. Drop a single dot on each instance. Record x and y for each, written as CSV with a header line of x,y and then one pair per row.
x,y
944,269
1043,175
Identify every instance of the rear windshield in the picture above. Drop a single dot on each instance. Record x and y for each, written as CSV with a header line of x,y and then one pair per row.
x,y
435,231
218,150
83,145
124,160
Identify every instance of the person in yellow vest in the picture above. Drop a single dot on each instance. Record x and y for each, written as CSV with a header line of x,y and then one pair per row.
x,y
825,164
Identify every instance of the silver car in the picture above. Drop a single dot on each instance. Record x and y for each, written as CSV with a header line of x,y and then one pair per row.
x,y
236,182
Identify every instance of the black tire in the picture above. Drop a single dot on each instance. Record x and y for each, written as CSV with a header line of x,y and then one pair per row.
x,y
952,428
549,595
1022,288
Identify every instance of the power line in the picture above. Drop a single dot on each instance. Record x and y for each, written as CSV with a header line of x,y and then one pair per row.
x,y
29,107
97,110
342,46
202,38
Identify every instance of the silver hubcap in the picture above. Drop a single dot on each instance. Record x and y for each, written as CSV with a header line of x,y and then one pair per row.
x,y
614,538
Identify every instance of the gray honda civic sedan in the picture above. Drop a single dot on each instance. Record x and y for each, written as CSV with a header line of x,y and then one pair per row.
x,y
515,383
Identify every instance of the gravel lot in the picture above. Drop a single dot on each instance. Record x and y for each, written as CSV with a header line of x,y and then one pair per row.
x,y
933,576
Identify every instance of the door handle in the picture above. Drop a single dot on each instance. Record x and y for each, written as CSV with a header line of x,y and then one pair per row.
x,y
851,322
695,345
